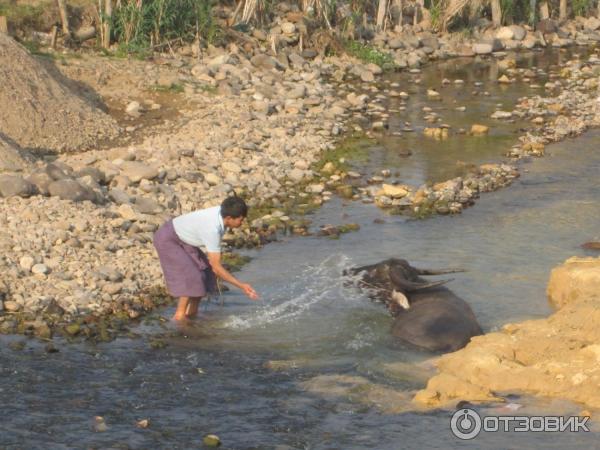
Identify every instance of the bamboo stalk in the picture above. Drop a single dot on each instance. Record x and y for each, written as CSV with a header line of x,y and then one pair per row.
x,y
101,22
62,9
532,6
236,12
53,36
400,12
496,13
3,25
106,24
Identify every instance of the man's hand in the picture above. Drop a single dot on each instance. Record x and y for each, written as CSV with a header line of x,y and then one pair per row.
x,y
215,262
249,291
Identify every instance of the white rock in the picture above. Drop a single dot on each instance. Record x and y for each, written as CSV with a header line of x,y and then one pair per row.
x,y
26,263
591,23
367,76
133,109
482,48
501,115
505,33
136,171
127,212
212,179
39,269
316,188
231,167
11,306
374,69
288,27
301,164
519,32
296,174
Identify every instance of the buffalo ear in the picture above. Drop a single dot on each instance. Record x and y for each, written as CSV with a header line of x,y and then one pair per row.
x,y
400,299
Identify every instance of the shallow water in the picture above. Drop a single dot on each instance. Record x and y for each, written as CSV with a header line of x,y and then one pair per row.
x,y
215,378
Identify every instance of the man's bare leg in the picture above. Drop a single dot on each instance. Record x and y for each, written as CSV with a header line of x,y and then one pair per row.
x,y
182,306
192,308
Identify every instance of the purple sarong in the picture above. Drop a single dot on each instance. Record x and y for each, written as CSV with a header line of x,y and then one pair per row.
x,y
186,268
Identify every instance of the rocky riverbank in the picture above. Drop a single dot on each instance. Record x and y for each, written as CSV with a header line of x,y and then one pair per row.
x,y
77,229
553,357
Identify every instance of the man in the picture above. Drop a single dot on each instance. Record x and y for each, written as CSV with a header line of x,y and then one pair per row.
x,y
189,272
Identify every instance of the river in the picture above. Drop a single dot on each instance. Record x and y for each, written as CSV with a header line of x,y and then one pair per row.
x,y
250,371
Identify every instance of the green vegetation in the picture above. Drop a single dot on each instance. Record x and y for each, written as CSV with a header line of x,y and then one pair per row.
x,y
139,27
173,87
353,148
23,16
436,9
235,261
370,54
582,7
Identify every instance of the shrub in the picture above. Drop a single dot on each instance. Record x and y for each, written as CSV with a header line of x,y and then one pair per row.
x,y
139,25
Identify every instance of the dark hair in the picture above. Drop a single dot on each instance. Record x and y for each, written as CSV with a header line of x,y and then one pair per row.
x,y
234,207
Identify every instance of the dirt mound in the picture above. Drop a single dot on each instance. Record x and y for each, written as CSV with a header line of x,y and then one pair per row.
x,y
39,110
11,158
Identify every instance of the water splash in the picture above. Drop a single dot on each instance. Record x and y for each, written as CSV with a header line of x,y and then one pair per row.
x,y
315,285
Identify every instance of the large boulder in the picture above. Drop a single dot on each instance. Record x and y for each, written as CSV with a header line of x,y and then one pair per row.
x,y
519,32
487,46
56,172
547,26
505,33
15,185
591,23
69,189
553,357
265,62
137,171
41,180
576,279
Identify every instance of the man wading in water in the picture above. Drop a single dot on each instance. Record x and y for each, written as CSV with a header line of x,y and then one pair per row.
x,y
189,273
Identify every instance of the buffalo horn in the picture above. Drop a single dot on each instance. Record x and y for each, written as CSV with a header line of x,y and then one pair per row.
x,y
408,286
438,272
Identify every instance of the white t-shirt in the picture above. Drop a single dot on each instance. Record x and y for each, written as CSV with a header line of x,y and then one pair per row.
x,y
203,227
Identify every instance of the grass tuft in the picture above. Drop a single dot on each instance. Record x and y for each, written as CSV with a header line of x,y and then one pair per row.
x,y
370,54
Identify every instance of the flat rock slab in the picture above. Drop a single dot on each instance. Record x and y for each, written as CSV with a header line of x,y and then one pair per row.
x,y
15,185
70,189
137,171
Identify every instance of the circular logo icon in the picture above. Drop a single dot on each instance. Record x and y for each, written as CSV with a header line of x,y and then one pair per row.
x,y
465,424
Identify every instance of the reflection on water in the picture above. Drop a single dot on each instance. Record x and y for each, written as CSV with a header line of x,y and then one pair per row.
x,y
216,376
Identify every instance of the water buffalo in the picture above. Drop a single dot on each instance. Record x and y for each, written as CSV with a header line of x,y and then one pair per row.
x,y
427,314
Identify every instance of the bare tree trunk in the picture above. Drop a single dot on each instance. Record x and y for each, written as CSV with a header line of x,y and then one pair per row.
x,y
3,25
544,11
418,8
62,9
496,13
381,13
562,14
106,24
